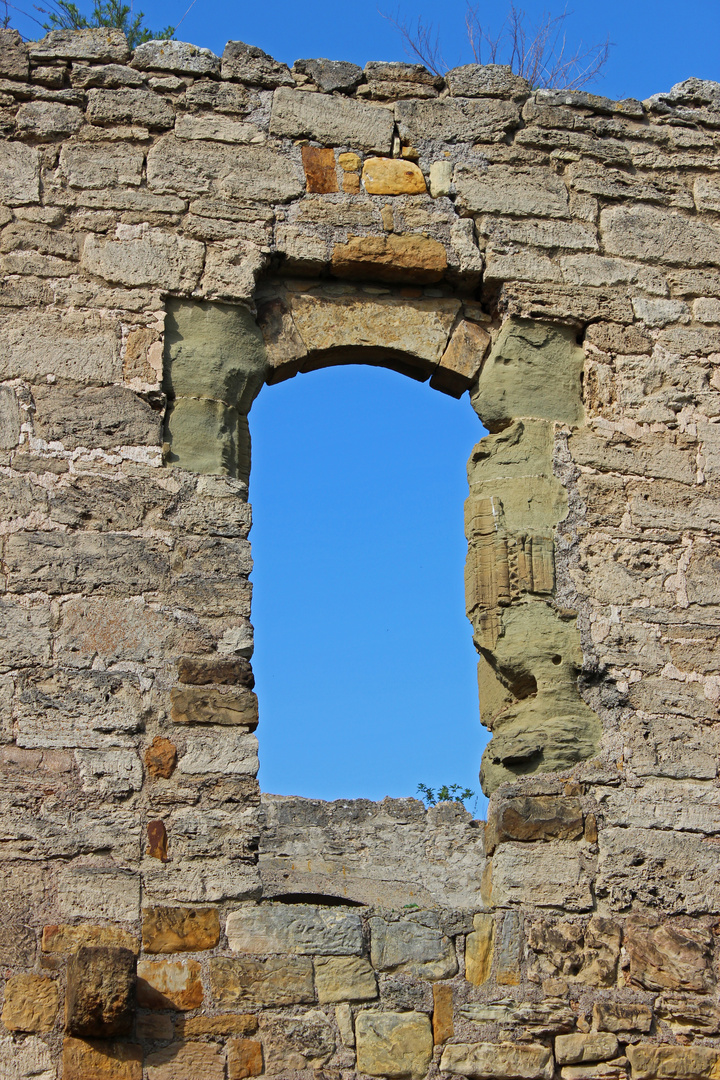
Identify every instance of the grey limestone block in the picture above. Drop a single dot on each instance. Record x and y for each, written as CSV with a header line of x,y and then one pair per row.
x,y
176,56
104,45
331,121
487,80
14,57
331,75
300,929
251,65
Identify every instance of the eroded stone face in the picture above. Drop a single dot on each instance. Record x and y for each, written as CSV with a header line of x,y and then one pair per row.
x,y
393,1044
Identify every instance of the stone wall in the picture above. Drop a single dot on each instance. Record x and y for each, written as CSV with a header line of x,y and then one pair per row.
x,y
178,233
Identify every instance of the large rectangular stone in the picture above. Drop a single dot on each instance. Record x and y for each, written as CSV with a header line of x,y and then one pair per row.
x,y
220,752
679,870
129,106
101,1060
235,172
410,946
646,232
295,928
91,711
19,174
484,121
498,1061
101,165
284,980
542,875
96,892
56,562
181,1061
393,1044
139,255
101,44
84,346
331,121
650,1062
501,189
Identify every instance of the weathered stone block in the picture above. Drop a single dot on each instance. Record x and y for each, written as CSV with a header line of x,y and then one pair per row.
x,y
68,939
14,60
390,258
26,1060
685,1014
175,56
169,930
229,753
331,121
393,1044
251,65
212,706
533,817
190,1027
677,1062
88,416
501,189
245,1058
169,984
320,172
161,758
19,174
584,954
344,978
547,875
486,80
100,991
98,892
647,232
301,1042
392,176
48,119
145,256
101,1060
669,957
462,361
129,106
295,928
479,950
456,121
89,165
31,1003
692,887
180,1061
578,1048
410,946
245,173
331,75
207,436
277,981
442,1017
103,45
498,1061
619,1016
226,671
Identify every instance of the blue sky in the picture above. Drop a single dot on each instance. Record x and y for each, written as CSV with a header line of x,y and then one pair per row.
x,y
364,660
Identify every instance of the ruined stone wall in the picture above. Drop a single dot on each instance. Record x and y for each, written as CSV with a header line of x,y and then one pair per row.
x,y
178,233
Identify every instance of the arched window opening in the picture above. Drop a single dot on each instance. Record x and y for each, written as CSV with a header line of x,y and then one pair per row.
x,y
364,666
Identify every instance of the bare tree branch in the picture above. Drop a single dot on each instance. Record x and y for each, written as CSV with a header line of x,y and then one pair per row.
x,y
537,51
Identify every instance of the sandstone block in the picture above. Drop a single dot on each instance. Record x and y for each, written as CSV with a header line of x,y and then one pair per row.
x,y
669,957
677,1062
509,949
158,1026
27,1059
277,981
319,166
479,950
684,1014
161,758
91,417
557,873
205,437
101,1060
233,172
301,1042
193,705
245,1058
409,946
647,232
169,984
392,176
486,80
456,121
417,259
331,75
578,1048
218,128
100,991
169,930
90,892
140,255
48,119
462,361
19,174
190,1027
67,939
227,671
231,269
295,928
533,817
442,1017
601,1070
31,1003
181,1061
441,174
618,1016
176,56
498,1061
93,165
14,60
10,419
129,106
344,978
26,888
102,45
226,753
251,65
331,121
587,955
503,190
393,1044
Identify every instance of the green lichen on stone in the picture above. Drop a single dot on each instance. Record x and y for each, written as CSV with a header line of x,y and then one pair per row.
x,y
215,364
534,369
